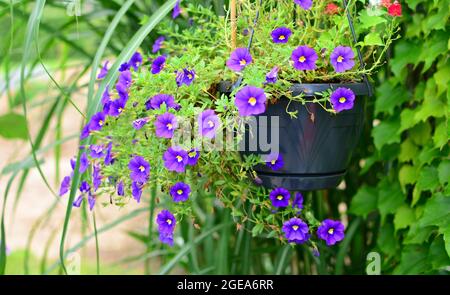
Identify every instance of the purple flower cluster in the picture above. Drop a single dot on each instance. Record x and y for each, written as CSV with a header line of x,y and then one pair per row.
x,y
166,226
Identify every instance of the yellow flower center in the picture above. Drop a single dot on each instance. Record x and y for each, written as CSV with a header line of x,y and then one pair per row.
x,y
192,154
210,124
169,221
295,227
302,59
141,168
179,158
119,110
100,122
169,126
273,162
189,76
331,231
252,101
243,62
282,37
280,197
342,99
180,192
340,59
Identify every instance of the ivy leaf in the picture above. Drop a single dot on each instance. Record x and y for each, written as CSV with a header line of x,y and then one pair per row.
x,y
404,217
431,107
444,172
405,52
428,179
390,197
408,174
418,234
408,151
420,134
386,132
437,212
428,154
369,21
407,119
446,233
437,255
388,97
414,260
365,201
441,134
435,46
373,39
13,126
386,239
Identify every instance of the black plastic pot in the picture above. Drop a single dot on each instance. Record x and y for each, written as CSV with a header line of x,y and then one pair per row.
x,y
317,151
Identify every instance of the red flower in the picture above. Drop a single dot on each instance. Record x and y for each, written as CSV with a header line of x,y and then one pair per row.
x,y
331,9
395,9
386,3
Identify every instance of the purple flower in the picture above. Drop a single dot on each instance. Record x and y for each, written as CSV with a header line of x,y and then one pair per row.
x,y
124,67
136,190
175,159
125,78
208,122
97,122
342,59
158,64
165,125
180,192
139,169
122,90
84,163
65,186
185,77
78,201
272,76
296,231
305,4
280,197
158,44
120,188
108,155
274,161
156,101
139,123
342,99
298,201
91,201
166,221
135,61
166,238
281,35
96,178
84,187
239,59
96,151
193,156
304,58
116,107
85,132
103,71
176,10
250,100
331,231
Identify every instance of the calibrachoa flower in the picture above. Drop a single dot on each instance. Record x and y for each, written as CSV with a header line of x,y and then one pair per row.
x,y
156,101
331,231
166,238
97,122
272,76
280,197
208,122
342,99
65,186
136,190
139,123
91,201
274,161
342,59
158,44
96,151
165,125
84,163
122,91
96,178
158,64
176,10
120,188
281,35
304,58
331,9
298,201
193,156
125,78
175,159
180,192
296,231
78,201
166,221
85,132
395,9
139,169
305,4
108,155
124,67
239,59
103,70
116,107
135,61
185,76
250,100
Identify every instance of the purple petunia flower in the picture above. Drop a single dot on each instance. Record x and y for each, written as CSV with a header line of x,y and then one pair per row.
x,y
166,238
84,163
180,192
85,132
342,99
96,178
139,169
116,107
331,231
125,78
239,59
176,10
165,125
96,151
305,4
136,190
193,156
304,58
158,64
97,122
342,59
298,201
91,201
158,44
185,77
166,221
156,101
272,76
78,201
65,186
120,188
296,231
103,70
208,122
250,100
280,197
274,161
135,61
139,123
122,90
108,156
124,67
281,35
175,159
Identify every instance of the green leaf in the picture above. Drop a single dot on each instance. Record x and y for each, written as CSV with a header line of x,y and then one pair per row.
x,y
407,175
414,260
389,96
444,172
438,255
13,126
407,119
441,134
421,133
369,21
365,201
386,133
390,197
386,239
408,151
257,229
446,233
404,217
405,52
418,234
428,154
431,107
437,211
428,178
373,39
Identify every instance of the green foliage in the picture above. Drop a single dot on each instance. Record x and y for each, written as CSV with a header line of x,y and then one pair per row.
x,y
13,126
